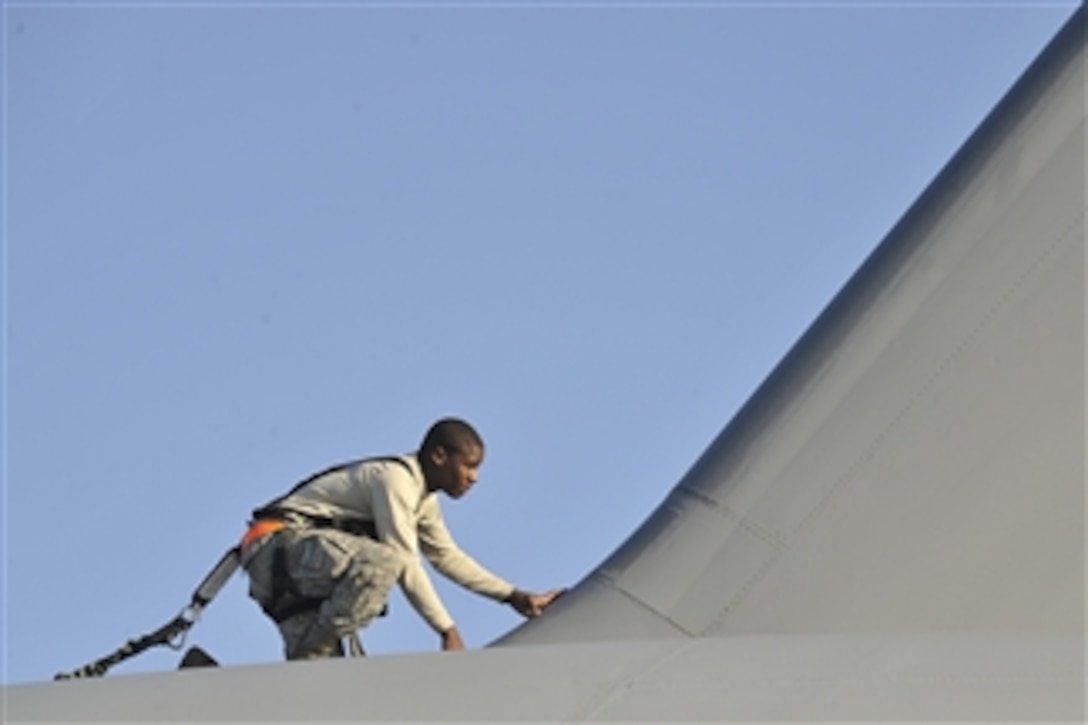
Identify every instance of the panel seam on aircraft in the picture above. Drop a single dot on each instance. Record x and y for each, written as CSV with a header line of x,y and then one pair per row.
x,y
595,704
716,623
609,582
774,540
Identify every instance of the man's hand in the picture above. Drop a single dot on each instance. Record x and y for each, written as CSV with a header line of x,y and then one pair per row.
x,y
451,640
532,605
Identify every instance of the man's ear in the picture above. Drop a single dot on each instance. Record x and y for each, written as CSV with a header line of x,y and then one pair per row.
x,y
439,455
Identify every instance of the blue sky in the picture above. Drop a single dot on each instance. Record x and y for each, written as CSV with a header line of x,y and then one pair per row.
x,y
242,242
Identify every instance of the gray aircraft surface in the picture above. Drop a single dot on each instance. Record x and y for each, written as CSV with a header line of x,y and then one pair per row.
x,y
892,528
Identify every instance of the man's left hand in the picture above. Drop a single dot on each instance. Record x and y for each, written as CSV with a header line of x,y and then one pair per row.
x,y
451,640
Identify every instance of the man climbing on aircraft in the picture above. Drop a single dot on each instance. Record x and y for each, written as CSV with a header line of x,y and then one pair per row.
x,y
322,559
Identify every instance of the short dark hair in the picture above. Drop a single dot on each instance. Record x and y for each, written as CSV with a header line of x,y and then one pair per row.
x,y
452,434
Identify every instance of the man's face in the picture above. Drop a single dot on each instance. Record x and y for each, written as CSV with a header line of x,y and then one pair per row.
x,y
457,470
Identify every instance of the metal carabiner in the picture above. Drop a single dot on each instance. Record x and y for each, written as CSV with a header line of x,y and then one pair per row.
x,y
188,616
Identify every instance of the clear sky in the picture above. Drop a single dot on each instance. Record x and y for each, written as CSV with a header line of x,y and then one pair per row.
x,y
245,241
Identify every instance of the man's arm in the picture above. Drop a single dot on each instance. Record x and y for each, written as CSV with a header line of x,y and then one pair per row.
x,y
442,551
393,503
436,543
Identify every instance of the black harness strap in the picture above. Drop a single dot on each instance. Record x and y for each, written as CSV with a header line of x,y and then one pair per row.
x,y
271,509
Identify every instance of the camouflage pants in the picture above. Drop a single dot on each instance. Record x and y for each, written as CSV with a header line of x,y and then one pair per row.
x,y
350,575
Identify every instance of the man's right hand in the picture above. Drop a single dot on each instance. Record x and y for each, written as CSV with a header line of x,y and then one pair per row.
x,y
532,605
451,640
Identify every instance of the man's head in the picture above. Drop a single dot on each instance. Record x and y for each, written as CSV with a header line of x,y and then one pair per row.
x,y
450,455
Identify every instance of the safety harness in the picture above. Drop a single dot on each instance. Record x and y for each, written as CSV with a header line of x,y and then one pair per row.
x,y
286,601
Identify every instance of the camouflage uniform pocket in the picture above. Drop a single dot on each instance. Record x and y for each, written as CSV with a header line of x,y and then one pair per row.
x,y
315,560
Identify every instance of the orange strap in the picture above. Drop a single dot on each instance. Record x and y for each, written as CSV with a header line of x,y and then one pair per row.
x,y
261,529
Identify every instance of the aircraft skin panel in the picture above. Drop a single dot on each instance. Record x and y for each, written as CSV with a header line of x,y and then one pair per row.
x,y
807,677
916,462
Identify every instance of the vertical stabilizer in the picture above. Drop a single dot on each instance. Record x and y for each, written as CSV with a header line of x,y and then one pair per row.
x,y
916,463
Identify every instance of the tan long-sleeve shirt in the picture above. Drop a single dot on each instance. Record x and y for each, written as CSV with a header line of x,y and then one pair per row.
x,y
394,495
